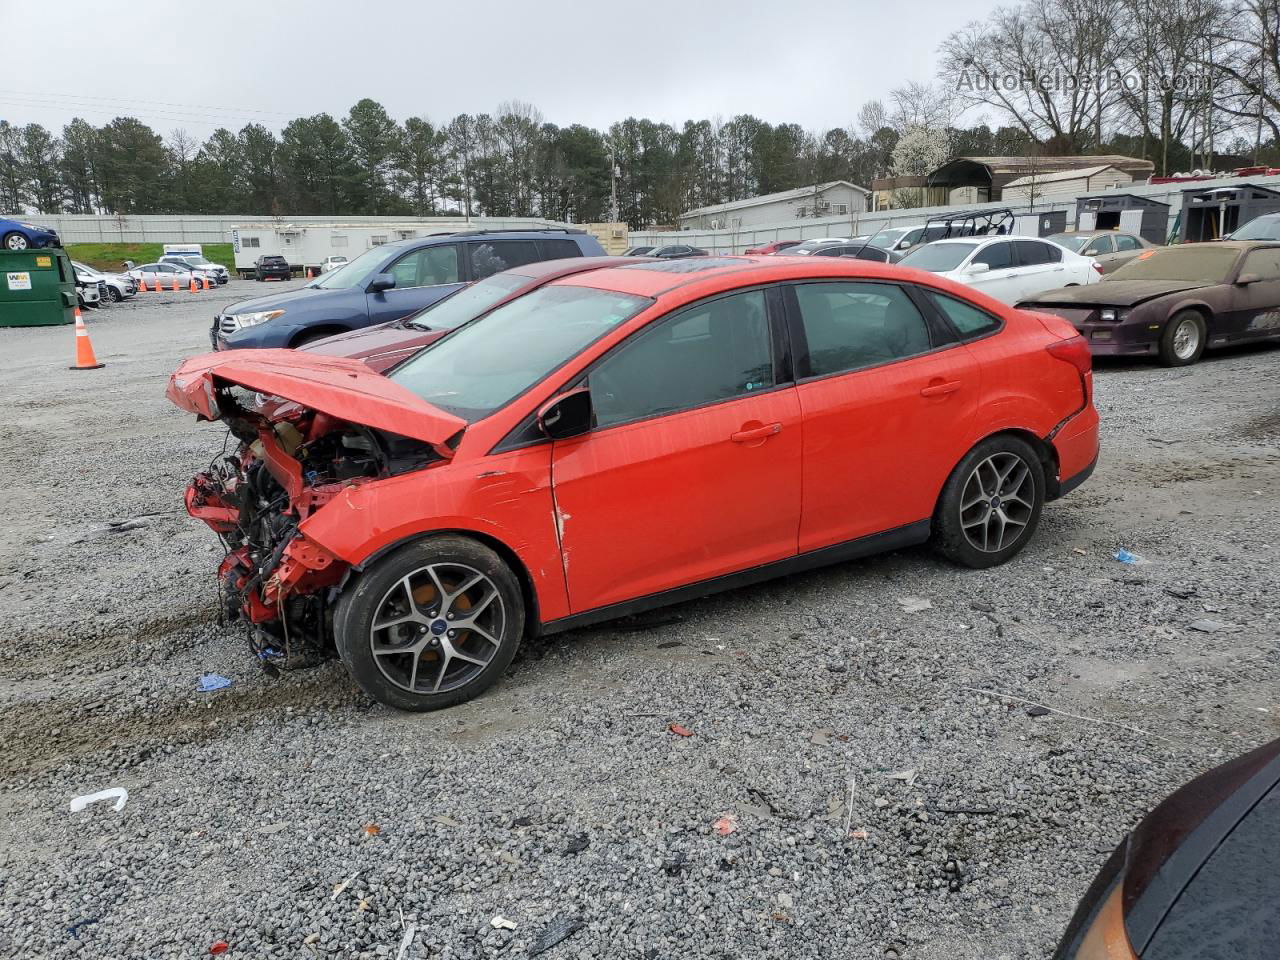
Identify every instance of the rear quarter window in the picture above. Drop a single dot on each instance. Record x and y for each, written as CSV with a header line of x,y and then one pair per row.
x,y
968,320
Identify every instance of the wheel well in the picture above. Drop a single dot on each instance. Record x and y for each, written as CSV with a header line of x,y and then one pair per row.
x,y
315,333
1205,313
532,620
1044,450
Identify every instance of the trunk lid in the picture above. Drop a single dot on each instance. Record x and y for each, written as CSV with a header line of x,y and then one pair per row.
x,y
341,387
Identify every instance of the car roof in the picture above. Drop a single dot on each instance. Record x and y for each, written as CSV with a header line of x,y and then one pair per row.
x,y
566,267
653,278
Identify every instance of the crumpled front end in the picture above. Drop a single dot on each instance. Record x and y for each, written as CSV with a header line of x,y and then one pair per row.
x,y
288,462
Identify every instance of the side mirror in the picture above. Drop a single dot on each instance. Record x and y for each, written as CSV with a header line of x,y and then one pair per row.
x,y
383,281
903,244
1247,278
974,269
568,415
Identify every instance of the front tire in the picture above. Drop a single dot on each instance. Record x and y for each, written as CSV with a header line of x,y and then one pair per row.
x,y
990,505
15,241
116,295
1183,340
431,625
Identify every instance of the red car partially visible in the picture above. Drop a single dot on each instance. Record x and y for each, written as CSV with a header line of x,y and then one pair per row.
x,y
381,347
624,438
771,248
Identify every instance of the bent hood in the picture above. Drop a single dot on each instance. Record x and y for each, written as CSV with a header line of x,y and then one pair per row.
x,y
1117,293
339,386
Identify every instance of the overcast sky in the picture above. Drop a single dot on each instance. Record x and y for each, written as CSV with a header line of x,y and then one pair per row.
x,y
203,65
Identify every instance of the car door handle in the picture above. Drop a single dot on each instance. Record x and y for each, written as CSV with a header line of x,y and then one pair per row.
x,y
940,388
756,433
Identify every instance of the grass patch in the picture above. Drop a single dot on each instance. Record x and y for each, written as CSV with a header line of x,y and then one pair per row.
x,y
111,256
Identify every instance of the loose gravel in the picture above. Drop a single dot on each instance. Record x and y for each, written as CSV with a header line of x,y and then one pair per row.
x,y
859,781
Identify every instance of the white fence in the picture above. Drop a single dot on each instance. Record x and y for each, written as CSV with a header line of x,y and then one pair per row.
x,y
862,224
177,228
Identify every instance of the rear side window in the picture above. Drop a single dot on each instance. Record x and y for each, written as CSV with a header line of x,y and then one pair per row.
x,y
710,352
1124,242
998,256
494,256
854,325
966,318
558,249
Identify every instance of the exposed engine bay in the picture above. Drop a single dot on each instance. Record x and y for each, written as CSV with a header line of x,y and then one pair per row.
x,y
289,462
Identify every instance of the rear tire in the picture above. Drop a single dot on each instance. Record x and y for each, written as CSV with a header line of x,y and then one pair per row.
x,y
1183,340
990,505
441,642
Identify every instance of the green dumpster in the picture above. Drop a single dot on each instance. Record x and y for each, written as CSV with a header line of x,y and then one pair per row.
x,y
37,288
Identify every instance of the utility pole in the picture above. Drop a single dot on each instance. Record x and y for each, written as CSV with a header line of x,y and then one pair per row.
x,y
613,186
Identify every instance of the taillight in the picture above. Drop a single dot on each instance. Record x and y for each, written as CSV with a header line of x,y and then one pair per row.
x,y
1097,266
1075,351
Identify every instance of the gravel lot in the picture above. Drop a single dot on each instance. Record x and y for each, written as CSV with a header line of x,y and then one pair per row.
x,y
885,806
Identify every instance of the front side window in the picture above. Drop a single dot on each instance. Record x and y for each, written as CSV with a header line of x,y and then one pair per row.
x,y
1265,263
427,267
966,318
494,256
997,256
483,366
710,352
1100,245
853,325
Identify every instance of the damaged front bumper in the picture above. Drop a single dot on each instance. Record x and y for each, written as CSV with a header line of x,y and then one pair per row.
x,y
299,447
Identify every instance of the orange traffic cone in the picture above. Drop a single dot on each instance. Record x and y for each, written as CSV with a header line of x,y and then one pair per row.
x,y
176,288
85,360
142,285
193,288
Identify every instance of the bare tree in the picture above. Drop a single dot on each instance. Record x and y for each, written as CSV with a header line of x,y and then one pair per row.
x,y
1248,65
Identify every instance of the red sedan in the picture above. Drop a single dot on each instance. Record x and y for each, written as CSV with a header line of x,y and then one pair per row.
x,y
772,248
385,345
626,438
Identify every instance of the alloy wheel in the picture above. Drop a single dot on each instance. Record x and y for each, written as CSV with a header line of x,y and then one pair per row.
x,y
437,628
1186,339
16,241
998,502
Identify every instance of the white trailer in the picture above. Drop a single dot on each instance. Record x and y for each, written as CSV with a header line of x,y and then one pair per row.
x,y
305,246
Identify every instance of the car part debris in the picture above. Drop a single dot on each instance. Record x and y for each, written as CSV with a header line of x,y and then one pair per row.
x,y
119,794
212,681
502,923
680,731
559,930
727,824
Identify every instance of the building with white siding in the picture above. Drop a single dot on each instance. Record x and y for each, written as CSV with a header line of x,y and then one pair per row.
x,y
1036,189
838,198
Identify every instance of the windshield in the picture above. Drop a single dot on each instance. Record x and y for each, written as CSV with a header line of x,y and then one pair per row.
x,y
1262,228
485,365
887,238
1072,241
1195,262
354,274
938,257
468,303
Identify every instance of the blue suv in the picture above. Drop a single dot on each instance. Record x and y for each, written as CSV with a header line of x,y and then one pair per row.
x,y
389,282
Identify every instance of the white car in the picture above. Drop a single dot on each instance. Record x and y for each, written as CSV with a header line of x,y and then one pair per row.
x,y
119,286
216,271
163,274
332,263
88,290
1006,268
